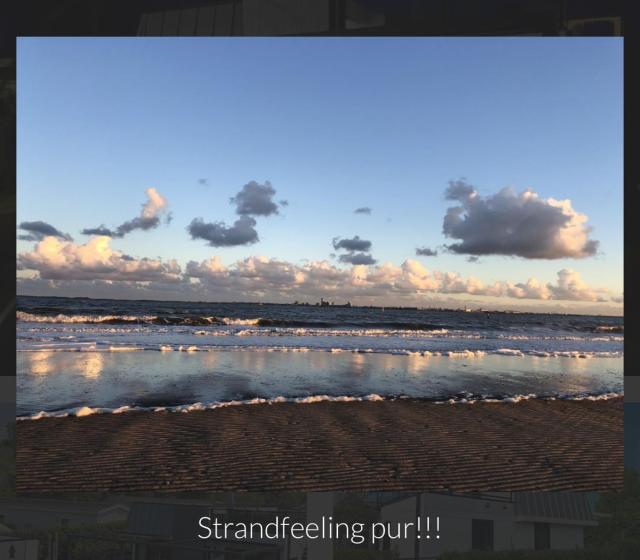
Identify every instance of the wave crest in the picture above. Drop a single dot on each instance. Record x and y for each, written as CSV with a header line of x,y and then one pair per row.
x,y
83,411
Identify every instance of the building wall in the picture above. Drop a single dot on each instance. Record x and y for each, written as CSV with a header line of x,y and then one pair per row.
x,y
400,512
116,515
456,514
566,537
24,550
562,537
523,535
47,518
37,519
319,505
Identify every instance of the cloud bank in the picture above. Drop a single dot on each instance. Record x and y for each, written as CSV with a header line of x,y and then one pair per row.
x,y
517,224
53,259
363,210
411,278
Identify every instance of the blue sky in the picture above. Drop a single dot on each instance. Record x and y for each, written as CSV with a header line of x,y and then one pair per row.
x,y
333,124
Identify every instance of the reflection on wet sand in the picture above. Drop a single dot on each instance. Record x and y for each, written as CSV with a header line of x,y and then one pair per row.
x,y
92,365
54,380
39,362
46,362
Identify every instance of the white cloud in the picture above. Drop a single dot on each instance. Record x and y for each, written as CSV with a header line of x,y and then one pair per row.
x,y
570,286
411,278
518,224
55,259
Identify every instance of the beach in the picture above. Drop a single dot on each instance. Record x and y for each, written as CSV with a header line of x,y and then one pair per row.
x,y
310,287
184,396
400,444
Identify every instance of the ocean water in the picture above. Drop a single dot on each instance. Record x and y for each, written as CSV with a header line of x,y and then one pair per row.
x,y
77,355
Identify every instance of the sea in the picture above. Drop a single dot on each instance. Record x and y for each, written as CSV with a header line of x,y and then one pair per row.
x,y
80,356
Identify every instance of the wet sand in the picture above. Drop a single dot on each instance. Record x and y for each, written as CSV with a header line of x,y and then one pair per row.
x,y
388,445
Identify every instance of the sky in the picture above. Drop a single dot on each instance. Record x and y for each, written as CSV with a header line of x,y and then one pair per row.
x,y
481,172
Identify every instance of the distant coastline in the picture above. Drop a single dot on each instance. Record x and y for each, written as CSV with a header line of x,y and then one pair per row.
x,y
317,304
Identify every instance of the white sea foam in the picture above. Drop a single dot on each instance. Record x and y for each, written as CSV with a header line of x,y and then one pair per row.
x,y
61,318
125,348
509,352
248,327
88,411
82,346
231,321
312,399
531,396
463,353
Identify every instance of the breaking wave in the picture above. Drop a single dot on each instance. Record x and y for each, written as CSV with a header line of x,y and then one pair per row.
x,y
453,353
200,320
609,328
83,411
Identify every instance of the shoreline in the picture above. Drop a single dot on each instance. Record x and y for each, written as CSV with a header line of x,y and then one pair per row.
x,y
398,444
84,411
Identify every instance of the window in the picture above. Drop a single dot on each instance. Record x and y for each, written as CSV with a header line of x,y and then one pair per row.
x,y
542,536
482,534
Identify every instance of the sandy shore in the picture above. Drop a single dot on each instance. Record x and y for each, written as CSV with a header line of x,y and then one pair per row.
x,y
389,445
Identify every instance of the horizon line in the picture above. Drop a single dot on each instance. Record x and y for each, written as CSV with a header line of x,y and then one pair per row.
x,y
306,304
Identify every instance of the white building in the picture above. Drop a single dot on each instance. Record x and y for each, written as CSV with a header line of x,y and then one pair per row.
x,y
171,526
489,521
22,549
12,547
37,513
